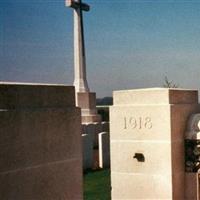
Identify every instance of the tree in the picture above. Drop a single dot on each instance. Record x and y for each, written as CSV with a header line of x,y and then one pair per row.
x,y
169,84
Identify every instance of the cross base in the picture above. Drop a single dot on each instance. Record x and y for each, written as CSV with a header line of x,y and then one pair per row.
x,y
87,102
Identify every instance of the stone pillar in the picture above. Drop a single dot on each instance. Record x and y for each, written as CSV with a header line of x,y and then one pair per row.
x,y
40,143
147,142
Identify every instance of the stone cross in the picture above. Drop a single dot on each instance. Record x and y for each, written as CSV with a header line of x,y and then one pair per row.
x,y
80,80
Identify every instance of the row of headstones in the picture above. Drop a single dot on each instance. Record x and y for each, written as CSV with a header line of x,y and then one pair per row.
x,y
95,136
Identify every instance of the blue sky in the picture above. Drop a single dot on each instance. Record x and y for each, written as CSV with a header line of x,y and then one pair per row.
x,y
129,44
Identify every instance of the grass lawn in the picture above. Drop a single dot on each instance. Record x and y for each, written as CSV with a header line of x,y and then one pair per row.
x,y
97,185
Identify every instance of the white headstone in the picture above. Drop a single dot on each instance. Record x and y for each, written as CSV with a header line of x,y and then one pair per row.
x,y
87,151
90,130
98,129
105,126
104,150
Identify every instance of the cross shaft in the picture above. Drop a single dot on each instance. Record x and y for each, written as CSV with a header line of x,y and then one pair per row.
x,y
80,80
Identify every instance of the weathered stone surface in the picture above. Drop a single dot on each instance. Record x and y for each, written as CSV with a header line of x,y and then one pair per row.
x,y
147,142
154,162
40,143
35,136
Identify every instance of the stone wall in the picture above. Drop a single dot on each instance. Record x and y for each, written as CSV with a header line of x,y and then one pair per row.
x,y
40,143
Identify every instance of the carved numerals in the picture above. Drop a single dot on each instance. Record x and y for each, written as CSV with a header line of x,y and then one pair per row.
x,y
137,123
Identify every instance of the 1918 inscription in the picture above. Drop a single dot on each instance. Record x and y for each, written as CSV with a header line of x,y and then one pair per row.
x,y
137,123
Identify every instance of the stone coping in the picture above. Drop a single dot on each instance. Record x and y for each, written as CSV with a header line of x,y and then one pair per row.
x,y
31,95
30,83
155,96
